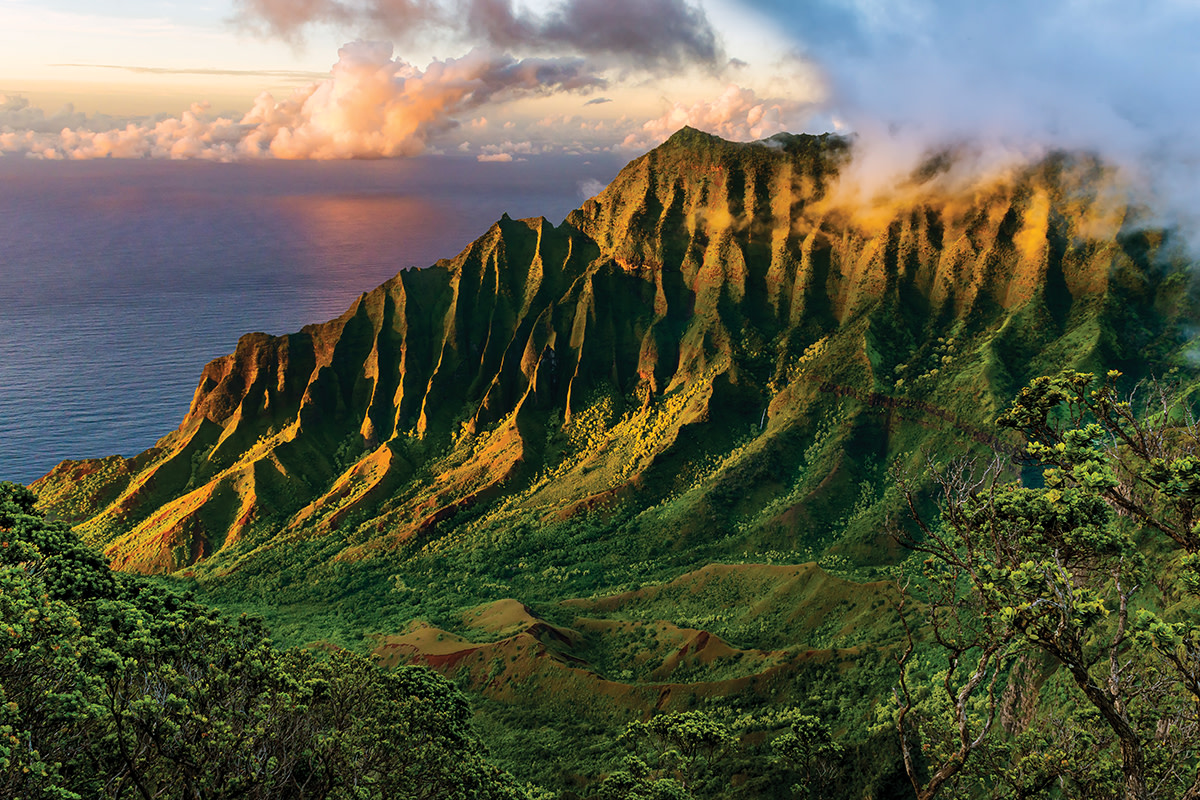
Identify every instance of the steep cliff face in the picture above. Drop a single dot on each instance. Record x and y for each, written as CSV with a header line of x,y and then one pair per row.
x,y
716,329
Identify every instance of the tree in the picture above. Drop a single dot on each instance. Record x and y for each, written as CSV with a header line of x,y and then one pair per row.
x,y
112,687
636,781
808,746
679,745
1065,569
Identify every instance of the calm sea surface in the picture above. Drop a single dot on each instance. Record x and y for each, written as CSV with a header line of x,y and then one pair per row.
x,y
120,280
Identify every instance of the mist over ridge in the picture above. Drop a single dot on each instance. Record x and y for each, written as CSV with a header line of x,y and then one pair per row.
x,y
1005,83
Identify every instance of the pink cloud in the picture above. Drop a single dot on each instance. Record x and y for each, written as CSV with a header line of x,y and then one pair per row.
x,y
371,106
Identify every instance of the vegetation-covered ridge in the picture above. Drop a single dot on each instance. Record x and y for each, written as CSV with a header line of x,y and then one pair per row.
x,y
715,340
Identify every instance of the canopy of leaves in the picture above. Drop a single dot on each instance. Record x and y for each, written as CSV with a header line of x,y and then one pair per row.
x,y
111,687
1086,576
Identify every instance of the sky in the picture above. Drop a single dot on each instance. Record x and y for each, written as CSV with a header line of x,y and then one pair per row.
x,y
507,80
231,79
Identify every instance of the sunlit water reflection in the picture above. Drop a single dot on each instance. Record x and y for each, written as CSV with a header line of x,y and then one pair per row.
x,y
120,280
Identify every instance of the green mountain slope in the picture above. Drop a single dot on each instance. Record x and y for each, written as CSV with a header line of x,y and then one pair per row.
x,y
709,327
714,361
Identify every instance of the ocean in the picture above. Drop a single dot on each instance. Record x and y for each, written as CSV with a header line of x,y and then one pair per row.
x,y
120,280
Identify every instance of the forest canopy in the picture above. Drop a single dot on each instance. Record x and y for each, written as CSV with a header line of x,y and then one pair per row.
x,y
112,687
1052,651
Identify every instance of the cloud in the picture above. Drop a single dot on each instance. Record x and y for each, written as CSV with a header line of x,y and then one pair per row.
x,y
738,114
505,150
298,76
286,18
16,114
646,34
371,106
1076,74
590,188
597,101
188,136
1015,78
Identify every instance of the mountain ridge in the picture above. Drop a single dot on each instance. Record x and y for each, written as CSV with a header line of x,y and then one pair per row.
x,y
712,291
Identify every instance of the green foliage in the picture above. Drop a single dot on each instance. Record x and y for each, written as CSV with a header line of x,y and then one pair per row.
x,y
681,743
809,747
1060,571
113,687
68,569
672,754
636,781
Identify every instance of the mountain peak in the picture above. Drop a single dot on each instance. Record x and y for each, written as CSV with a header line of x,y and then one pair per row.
x,y
690,137
694,140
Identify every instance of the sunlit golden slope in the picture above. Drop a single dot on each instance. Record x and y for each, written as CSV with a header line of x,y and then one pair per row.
x,y
716,329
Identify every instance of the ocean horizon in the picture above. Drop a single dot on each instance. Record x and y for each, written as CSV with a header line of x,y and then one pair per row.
x,y
120,280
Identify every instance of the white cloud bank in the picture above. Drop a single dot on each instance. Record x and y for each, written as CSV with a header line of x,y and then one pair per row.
x,y
1007,81
371,106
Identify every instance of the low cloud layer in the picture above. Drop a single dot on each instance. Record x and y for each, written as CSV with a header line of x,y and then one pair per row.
x,y
371,106
16,114
1077,73
1011,80
646,34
